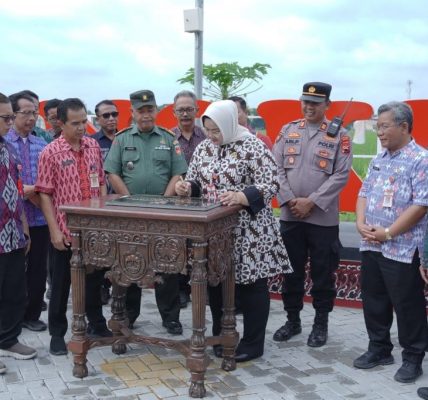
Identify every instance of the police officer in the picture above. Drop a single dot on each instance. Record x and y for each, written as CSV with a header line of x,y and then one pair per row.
x,y
147,159
313,167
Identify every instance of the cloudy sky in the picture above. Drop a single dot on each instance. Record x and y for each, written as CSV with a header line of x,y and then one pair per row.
x,y
96,49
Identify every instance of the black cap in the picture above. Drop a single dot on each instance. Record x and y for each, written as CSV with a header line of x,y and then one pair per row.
x,y
142,98
316,91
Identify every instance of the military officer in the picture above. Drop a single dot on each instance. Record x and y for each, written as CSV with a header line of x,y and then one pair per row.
x,y
147,159
314,166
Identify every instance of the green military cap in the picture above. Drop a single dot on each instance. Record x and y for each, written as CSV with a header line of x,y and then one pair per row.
x,y
142,98
316,91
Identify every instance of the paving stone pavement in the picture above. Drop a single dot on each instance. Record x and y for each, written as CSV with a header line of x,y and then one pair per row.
x,y
289,370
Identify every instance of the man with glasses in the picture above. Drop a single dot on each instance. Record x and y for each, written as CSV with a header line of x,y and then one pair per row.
x,y
147,159
391,219
188,135
37,130
29,148
13,241
107,117
313,166
50,109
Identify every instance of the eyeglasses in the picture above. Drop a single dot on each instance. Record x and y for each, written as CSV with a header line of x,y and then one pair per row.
x,y
383,127
8,118
188,110
28,114
113,114
53,119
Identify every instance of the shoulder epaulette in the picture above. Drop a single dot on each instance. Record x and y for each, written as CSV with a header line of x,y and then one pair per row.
x,y
167,130
123,130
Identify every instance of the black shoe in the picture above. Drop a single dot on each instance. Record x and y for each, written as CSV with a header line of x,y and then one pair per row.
x,y
44,306
408,372
105,295
318,336
184,298
370,360
57,346
99,332
242,357
218,350
287,331
423,393
173,327
36,326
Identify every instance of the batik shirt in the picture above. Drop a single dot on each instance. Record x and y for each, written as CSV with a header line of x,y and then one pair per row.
x,y
403,172
189,146
248,166
29,153
64,174
11,202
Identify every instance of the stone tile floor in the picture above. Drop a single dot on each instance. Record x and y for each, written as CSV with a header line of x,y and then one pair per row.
x,y
289,370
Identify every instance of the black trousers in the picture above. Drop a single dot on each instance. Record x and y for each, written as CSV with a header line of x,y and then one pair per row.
x,y
167,299
61,290
388,285
36,271
322,244
255,303
13,294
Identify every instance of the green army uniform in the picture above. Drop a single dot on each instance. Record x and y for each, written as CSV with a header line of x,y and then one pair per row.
x,y
43,134
146,162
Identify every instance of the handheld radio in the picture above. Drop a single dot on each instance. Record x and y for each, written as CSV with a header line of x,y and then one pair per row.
x,y
336,123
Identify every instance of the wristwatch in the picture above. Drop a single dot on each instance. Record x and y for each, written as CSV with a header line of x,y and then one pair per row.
x,y
388,234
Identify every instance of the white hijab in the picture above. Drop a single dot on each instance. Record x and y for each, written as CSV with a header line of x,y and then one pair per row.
x,y
224,114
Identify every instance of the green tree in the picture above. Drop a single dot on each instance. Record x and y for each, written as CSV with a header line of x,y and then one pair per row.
x,y
220,81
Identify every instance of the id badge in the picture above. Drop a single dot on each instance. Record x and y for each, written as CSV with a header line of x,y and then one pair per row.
x,y
95,183
388,195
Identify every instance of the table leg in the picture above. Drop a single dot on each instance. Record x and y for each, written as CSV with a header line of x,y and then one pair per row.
x,y
79,343
228,323
118,319
197,360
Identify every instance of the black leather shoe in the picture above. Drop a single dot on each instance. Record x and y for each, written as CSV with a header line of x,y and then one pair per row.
x,y
218,350
173,327
287,331
423,393
36,326
408,372
318,336
57,346
99,332
242,357
370,360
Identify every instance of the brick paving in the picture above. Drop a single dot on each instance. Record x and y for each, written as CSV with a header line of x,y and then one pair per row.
x,y
289,370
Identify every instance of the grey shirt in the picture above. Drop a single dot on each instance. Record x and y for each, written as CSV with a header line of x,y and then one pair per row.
x,y
313,165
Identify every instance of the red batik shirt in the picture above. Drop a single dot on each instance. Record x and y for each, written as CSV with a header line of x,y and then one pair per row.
x,y
64,174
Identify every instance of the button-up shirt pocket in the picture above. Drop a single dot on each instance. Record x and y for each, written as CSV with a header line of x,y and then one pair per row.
x,y
130,161
292,155
323,160
161,161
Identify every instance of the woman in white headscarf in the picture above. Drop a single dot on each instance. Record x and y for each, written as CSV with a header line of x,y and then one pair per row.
x,y
235,167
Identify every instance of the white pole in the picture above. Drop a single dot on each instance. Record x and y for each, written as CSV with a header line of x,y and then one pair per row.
x,y
199,42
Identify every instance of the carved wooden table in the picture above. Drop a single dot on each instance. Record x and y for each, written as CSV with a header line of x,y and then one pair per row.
x,y
137,243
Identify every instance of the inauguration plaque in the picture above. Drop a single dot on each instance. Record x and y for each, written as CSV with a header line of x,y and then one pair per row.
x,y
170,202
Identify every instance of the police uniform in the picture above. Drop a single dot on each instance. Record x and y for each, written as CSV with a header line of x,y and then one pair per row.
x,y
311,165
146,162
